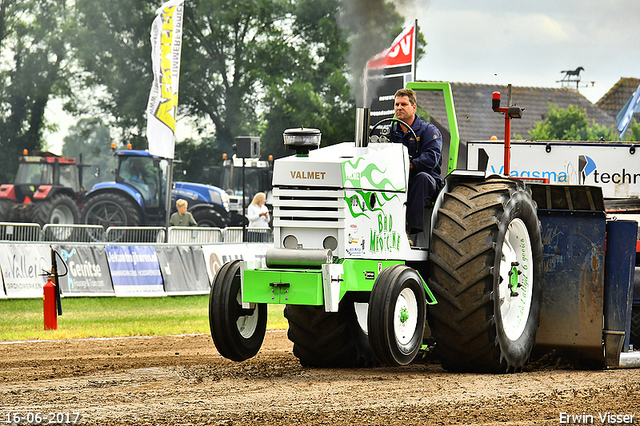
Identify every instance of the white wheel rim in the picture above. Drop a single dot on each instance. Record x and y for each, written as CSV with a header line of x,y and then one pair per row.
x,y
247,324
405,317
62,215
515,300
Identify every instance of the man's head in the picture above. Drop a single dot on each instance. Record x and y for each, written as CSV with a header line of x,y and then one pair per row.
x,y
182,205
405,105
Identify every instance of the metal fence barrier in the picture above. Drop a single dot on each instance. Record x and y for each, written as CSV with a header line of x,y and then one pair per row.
x,y
133,234
259,235
31,232
73,233
182,234
232,235
19,231
252,235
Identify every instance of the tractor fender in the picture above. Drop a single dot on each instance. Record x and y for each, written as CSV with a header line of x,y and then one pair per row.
x,y
55,190
8,191
116,188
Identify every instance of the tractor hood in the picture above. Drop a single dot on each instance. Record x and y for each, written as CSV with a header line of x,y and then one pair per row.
x,y
200,192
346,166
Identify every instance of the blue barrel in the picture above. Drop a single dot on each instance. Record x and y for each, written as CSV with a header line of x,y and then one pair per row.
x,y
619,273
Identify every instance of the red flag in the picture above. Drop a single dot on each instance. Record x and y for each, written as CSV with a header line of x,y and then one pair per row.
x,y
400,53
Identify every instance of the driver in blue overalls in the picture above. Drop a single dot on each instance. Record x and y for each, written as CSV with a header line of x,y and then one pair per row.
x,y
425,149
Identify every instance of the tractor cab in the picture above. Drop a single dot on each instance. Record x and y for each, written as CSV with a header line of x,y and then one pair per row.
x,y
47,189
138,195
144,174
46,171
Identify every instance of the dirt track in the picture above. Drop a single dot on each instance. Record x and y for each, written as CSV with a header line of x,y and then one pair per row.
x,y
173,380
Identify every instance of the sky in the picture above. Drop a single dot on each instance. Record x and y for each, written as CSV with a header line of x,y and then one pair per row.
x,y
523,43
528,43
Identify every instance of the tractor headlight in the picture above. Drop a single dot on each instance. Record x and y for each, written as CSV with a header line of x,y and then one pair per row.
x,y
225,200
290,242
330,243
219,198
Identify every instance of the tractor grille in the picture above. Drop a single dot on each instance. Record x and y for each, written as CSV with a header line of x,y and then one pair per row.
x,y
308,207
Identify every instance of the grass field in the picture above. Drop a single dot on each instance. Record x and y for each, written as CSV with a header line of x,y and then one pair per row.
x,y
22,319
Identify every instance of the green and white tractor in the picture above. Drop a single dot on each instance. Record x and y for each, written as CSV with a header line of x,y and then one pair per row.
x,y
357,293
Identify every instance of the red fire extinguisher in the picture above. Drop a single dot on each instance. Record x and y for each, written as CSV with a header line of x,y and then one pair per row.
x,y
51,296
49,305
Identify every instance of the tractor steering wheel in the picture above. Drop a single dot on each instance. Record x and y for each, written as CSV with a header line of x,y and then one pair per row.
x,y
384,133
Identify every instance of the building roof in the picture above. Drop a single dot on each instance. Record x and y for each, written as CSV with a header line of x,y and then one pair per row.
x,y
477,121
616,98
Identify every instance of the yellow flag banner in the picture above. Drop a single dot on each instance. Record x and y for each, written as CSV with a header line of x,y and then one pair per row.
x,y
166,44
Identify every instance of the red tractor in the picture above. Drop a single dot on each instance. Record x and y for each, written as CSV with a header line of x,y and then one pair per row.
x,y
47,189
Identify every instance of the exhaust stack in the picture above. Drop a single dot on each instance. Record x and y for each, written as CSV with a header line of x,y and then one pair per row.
x,y
362,127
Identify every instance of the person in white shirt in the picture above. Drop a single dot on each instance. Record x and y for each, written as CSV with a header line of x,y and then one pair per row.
x,y
257,213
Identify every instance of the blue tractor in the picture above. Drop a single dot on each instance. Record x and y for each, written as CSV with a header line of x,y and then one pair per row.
x,y
137,197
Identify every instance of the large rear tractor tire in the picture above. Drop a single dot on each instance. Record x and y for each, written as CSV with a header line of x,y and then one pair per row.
x,y
328,339
59,210
5,210
397,315
209,218
110,209
237,333
486,273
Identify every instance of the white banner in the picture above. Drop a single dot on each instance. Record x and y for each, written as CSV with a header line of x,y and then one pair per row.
x,y
166,44
216,255
611,166
23,267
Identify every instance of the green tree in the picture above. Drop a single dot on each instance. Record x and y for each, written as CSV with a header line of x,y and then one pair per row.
x,y
570,124
113,48
32,70
91,140
316,93
323,94
192,157
370,27
249,67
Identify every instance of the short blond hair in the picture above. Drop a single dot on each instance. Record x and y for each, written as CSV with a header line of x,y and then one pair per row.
x,y
181,202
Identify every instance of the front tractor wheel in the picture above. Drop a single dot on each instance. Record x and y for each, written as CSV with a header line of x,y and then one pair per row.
x,y
397,315
238,333
486,273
